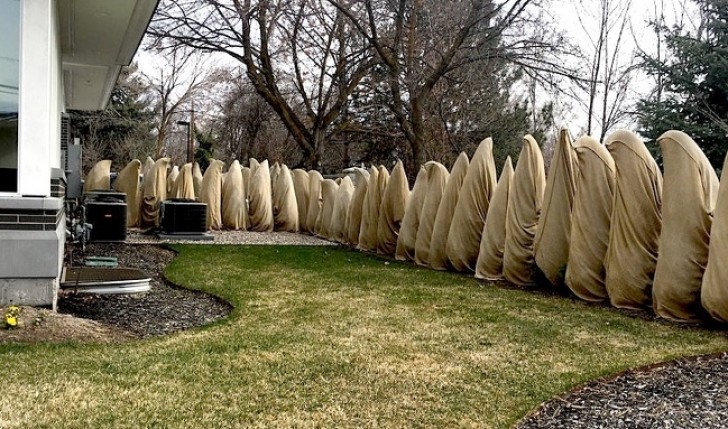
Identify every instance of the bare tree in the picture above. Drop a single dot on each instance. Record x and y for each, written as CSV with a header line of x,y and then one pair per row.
x,y
296,53
172,85
421,42
611,69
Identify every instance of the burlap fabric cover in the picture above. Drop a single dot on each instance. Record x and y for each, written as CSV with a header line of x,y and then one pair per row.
x,y
260,203
437,176
185,186
590,220
197,180
285,207
339,221
714,294
301,187
172,181
147,169
275,171
493,240
155,191
391,211
688,202
328,198
234,207
99,177
246,178
407,238
128,182
211,193
551,245
636,222
463,241
443,219
524,208
370,213
361,183
314,200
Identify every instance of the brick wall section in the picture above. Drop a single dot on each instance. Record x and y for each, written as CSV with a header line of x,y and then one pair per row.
x,y
30,220
34,220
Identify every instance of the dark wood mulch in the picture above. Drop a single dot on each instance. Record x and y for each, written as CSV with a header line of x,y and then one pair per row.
x,y
688,393
165,309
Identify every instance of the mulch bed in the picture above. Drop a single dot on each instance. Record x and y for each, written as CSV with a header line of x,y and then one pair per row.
x,y
165,309
688,393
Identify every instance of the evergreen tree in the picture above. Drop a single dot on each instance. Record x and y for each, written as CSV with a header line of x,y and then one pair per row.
x,y
692,90
121,132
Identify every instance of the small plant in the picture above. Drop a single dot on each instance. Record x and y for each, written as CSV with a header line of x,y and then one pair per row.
x,y
11,317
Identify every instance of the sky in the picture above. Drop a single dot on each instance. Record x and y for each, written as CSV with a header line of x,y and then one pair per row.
x,y
578,21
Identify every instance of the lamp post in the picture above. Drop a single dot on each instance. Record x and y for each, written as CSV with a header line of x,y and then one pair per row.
x,y
190,151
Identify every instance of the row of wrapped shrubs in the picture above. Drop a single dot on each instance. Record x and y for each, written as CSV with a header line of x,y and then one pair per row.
x,y
601,224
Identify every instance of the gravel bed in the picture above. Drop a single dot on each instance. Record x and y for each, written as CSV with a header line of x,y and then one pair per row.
x,y
236,237
688,393
163,310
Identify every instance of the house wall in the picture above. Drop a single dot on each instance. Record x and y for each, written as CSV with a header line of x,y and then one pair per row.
x,y
32,223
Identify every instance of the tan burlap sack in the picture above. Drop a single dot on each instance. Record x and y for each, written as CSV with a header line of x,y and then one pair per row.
x,y
246,178
524,208
172,181
234,207
391,210
185,186
99,177
590,220
314,200
275,171
370,213
155,191
714,293
128,182
437,176
407,238
636,222
328,198
339,221
688,202
211,193
285,207
463,240
551,245
301,187
197,180
146,173
493,240
260,204
443,220
356,208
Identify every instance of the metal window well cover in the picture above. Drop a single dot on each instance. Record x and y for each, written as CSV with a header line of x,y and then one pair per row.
x,y
105,281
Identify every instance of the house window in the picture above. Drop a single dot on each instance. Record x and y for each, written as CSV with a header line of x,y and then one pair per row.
x,y
9,83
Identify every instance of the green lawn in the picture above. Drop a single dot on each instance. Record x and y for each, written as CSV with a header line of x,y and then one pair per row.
x,y
326,337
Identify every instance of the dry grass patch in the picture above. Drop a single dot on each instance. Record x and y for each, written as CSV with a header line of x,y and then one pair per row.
x,y
325,337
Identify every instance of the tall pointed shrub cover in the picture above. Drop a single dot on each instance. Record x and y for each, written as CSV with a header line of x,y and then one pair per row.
x,y
636,222
211,193
370,213
524,208
551,244
185,185
437,177
128,182
260,204
410,223
688,201
155,191
328,198
285,207
714,292
391,210
590,221
445,212
339,219
493,240
354,217
463,241
314,200
301,188
234,208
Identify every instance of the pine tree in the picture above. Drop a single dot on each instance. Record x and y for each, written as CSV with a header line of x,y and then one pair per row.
x,y
693,95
